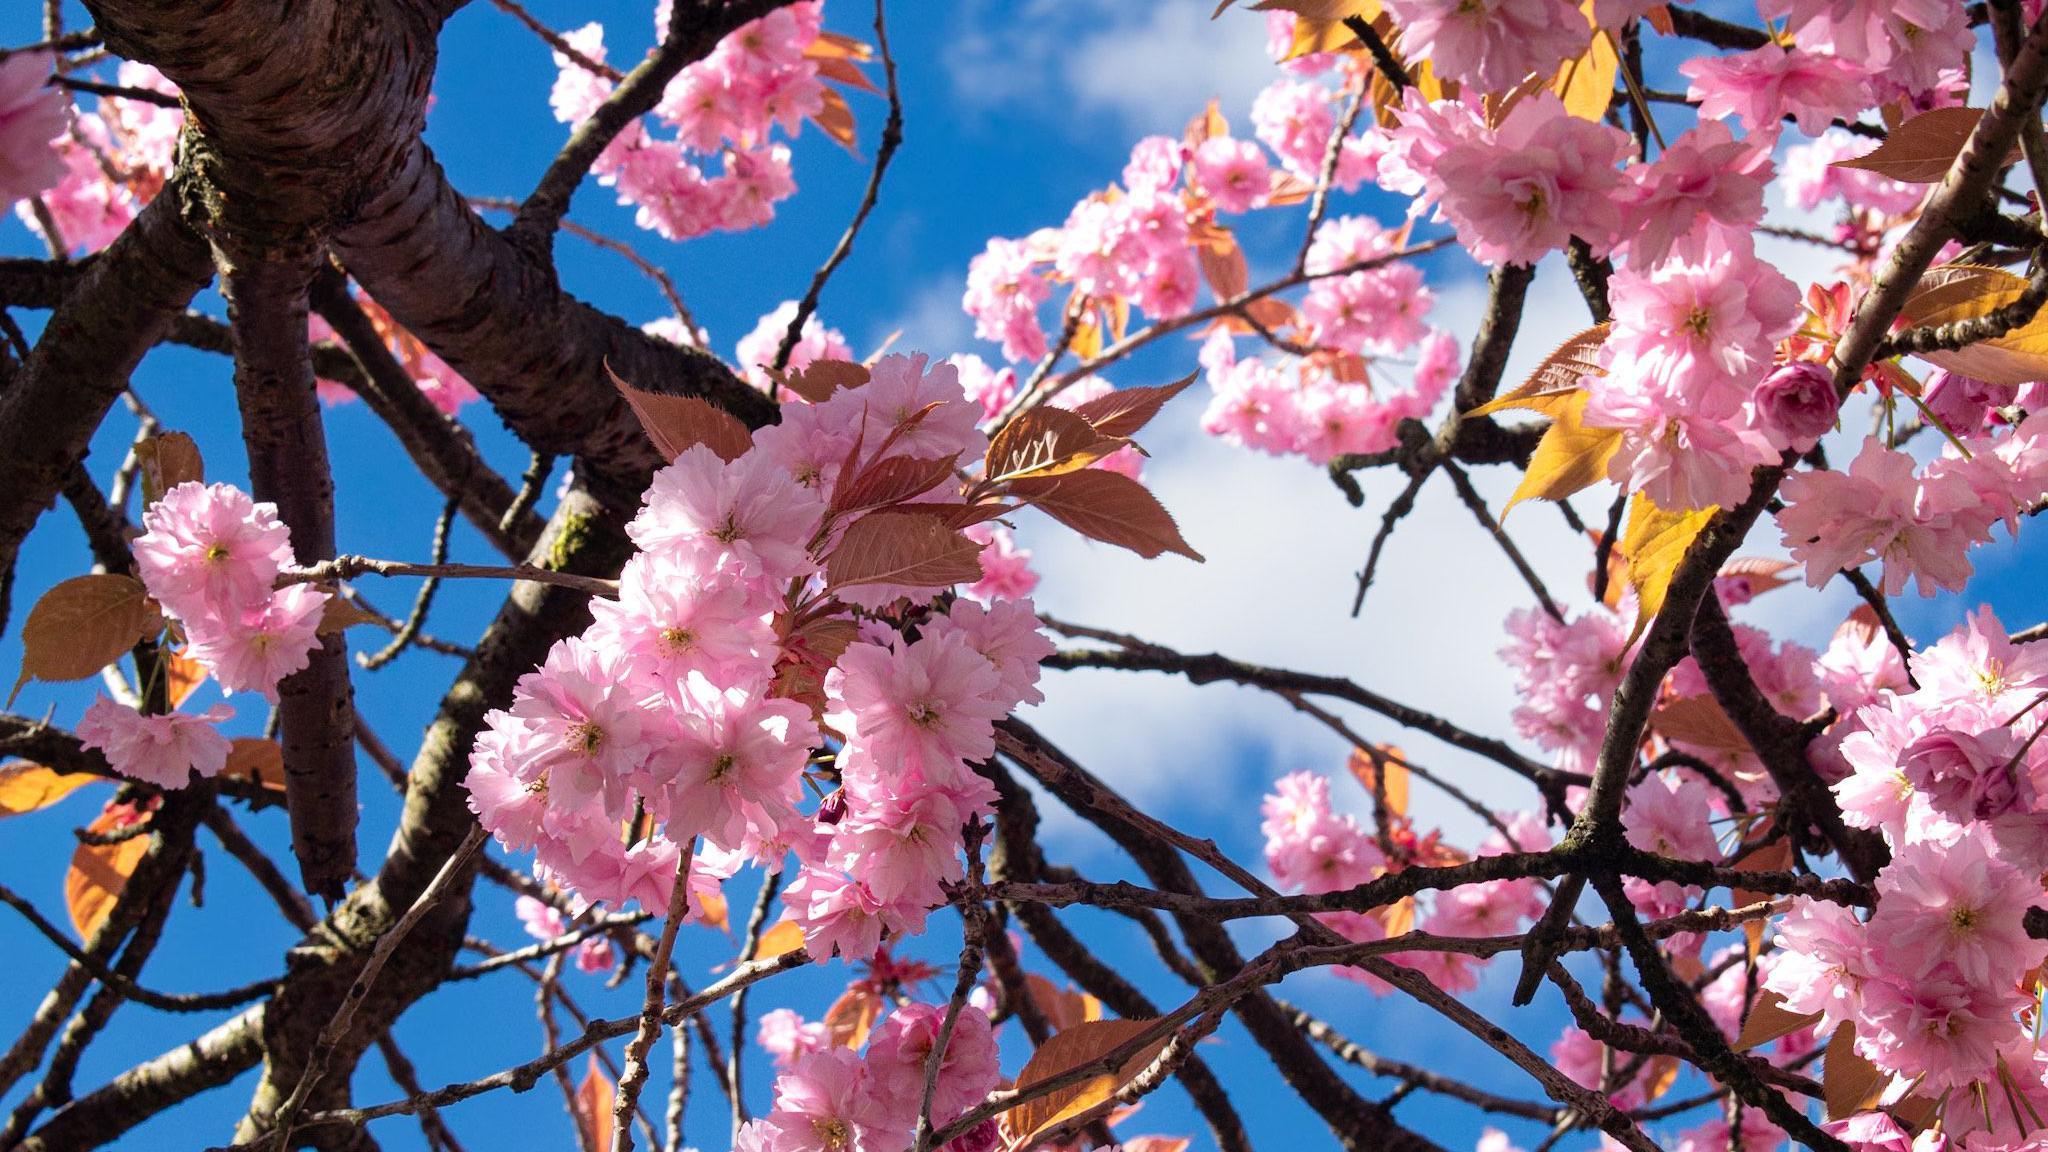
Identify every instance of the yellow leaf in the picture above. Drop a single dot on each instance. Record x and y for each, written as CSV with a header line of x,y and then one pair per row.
x,y
1045,441
1569,457
82,625
1312,37
32,787
1658,1077
1955,292
1586,84
1849,1083
100,871
1064,1051
1367,10
1655,541
1769,1020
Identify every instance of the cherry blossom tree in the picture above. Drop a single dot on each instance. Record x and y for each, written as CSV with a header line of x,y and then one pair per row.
x,y
770,638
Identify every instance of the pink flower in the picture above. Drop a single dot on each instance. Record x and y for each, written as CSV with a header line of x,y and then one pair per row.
x,y
1706,187
507,781
750,514
1005,568
32,116
161,750
786,1036
210,548
1310,848
1978,664
897,406
1921,527
588,733
731,759
1763,86
1825,962
814,342
991,388
1955,905
1544,177
929,706
252,649
902,1045
1795,405
1672,815
837,914
1004,290
672,618
1935,1024
1006,633
1233,173
1490,44
1810,176
823,1104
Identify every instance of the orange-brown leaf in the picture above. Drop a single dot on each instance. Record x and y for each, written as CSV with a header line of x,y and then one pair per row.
x,y
1769,1020
1556,378
1045,441
82,625
256,760
1127,410
340,614
1920,150
1065,1051
1108,507
835,119
593,1107
846,72
1849,1083
1207,126
168,459
31,787
1224,268
853,1015
892,480
781,937
1366,764
902,548
184,675
1586,83
1700,722
100,871
821,378
1062,1007
677,423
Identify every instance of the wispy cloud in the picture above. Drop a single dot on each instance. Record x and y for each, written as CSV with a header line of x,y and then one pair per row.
x,y
1150,66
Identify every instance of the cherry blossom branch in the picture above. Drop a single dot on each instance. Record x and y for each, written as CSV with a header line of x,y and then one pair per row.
x,y
337,1026
634,1078
1319,201
885,151
554,40
351,566
525,1076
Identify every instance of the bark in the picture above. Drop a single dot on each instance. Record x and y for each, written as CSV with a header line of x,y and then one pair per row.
x,y
121,305
288,466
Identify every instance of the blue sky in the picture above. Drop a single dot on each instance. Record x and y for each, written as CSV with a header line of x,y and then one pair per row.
x,y
1014,111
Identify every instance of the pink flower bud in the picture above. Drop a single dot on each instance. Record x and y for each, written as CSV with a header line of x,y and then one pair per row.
x,y
1795,405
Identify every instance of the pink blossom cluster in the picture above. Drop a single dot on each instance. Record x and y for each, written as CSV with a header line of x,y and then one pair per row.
x,y
1302,406
1312,848
1566,672
112,162
545,923
210,558
832,1099
728,105
691,708
1918,522
32,118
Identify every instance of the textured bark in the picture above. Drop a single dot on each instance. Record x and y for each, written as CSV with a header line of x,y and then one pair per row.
x,y
119,307
495,312
288,466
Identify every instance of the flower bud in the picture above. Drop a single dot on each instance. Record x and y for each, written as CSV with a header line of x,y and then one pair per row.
x,y
1795,405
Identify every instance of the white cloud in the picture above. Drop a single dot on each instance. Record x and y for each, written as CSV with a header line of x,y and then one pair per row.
x,y
1283,552
1149,66
931,321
